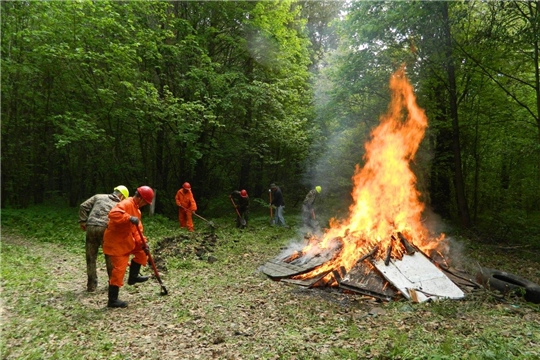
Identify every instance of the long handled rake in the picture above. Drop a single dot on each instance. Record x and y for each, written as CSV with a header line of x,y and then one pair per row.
x,y
151,260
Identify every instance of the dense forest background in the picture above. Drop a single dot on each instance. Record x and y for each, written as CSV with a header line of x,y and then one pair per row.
x,y
230,95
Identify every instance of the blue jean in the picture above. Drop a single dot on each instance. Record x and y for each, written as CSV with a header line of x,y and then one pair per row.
x,y
279,220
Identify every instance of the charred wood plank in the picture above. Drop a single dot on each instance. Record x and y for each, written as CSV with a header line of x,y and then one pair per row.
x,y
306,282
408,247
368,255
388,254
367,280
342,271
339,274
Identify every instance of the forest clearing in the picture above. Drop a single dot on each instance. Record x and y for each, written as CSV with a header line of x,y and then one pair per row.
x,y
415,125
228,309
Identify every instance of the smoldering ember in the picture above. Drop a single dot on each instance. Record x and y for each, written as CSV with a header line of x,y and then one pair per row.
x,y
383,249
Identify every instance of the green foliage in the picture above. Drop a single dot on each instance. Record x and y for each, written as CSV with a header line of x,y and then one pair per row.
x,y
47,223
123,106
242,94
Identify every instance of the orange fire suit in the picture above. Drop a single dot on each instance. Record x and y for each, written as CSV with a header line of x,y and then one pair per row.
x,y
186,206
121,239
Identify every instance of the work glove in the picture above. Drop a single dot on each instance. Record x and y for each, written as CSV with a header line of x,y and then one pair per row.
x,y
145,248
134,220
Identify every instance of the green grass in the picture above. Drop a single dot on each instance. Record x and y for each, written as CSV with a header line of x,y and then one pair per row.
x,y
228,309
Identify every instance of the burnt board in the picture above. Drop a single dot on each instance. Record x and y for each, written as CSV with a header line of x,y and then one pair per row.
x,y
307,282
365,280
277,268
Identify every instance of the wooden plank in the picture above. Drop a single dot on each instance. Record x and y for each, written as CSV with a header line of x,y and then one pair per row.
x,y
277,268
307,282
365,280
418,278
461,279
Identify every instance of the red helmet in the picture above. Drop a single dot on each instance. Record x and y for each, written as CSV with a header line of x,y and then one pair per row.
x,y
186,186
243,193
146,193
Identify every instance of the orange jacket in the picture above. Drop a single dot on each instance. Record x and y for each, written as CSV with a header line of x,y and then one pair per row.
x,y
186,200
121,236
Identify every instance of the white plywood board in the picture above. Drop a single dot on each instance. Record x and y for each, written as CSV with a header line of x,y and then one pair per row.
x,y
418,278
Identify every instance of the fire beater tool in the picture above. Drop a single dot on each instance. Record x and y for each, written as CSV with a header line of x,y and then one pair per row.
x,y
242,220
151,261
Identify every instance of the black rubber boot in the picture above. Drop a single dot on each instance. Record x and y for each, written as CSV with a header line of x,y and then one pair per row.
x,y
113,298
134,274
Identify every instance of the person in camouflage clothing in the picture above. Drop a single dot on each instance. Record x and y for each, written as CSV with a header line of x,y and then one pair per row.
x,y
308,210
93,218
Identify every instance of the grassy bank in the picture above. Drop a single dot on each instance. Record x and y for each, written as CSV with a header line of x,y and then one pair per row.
x,y
227,309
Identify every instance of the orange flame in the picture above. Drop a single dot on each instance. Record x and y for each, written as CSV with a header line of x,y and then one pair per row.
x,y
385,199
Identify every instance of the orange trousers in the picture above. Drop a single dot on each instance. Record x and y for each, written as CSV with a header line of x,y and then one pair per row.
x,y
185,219
120,264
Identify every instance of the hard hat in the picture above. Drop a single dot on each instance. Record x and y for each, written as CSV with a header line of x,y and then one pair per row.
x,y
124,190
186,186
243,193
146,193
318,188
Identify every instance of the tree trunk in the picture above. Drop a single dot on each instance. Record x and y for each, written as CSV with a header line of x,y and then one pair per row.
x,y
534,9
463,210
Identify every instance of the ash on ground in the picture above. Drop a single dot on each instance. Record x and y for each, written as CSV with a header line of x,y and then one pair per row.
x,y
184,246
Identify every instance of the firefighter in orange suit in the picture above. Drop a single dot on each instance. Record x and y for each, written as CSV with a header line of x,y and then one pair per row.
x,y
186,206
122,239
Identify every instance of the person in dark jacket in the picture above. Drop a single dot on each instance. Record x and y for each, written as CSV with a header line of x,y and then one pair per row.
x,y
241,201
93,218
279,203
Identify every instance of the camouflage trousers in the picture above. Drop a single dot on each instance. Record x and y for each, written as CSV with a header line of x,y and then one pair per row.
x,y
94,239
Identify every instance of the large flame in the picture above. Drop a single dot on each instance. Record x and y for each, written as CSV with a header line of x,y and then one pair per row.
x,y
385,199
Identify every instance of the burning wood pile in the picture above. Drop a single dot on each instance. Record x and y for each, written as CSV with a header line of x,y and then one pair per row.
x,y
383,248
414,274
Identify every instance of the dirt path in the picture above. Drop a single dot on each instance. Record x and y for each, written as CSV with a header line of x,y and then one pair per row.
x,y
201,318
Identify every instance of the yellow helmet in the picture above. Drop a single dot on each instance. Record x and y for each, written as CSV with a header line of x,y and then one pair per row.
x,y
123,190
318,188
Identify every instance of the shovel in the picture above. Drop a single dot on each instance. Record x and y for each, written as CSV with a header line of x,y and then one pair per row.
x,y
151,261
242,220
212,225
209,222
271,213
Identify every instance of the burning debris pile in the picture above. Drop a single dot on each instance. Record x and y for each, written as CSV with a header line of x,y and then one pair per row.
x,y
377,273
383,248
